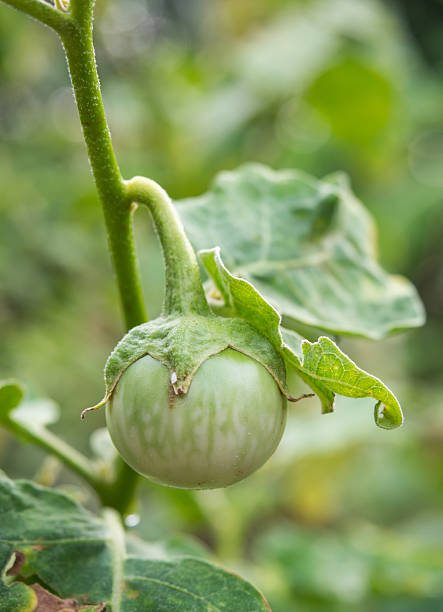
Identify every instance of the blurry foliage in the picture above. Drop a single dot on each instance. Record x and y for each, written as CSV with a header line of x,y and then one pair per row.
x,y
344,517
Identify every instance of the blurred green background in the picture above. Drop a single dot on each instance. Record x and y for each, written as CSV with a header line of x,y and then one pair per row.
x,y
344,517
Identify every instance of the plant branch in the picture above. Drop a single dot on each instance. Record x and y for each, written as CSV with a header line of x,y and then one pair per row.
x,y
42,437
42,11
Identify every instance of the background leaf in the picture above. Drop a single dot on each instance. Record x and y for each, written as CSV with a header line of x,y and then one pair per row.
x,y
357,114
308,247
101,445
340,568
83,557
42,412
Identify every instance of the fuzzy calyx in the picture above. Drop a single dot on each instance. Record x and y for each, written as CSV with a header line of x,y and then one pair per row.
x,y
184,343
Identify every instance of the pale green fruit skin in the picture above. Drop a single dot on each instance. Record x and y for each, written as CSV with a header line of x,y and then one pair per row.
x,y
225,427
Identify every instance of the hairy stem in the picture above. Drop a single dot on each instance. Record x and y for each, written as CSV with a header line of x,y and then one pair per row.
x,y
113,195
183,292
79,50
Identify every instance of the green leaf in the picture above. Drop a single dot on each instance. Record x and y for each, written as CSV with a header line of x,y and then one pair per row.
x,y
39,412
85,558
307,245
17,598
293,355
321,365
328,365
243,300
11,394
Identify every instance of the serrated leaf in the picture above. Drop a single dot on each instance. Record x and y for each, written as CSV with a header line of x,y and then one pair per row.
x,y
79,556
307,245
321,365
326,363
242,299
293,355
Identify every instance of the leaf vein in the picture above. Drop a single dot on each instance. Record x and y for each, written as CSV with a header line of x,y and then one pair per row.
x,y
177,588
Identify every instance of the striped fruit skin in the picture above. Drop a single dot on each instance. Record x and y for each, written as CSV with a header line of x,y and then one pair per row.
x,y
226,426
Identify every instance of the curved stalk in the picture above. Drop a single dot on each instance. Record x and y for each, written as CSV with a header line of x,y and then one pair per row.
x,y
183,291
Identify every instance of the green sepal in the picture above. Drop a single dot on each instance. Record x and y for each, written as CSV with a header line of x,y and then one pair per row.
x,y
321,365
183,343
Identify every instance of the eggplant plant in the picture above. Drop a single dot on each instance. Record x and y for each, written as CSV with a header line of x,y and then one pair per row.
x,y
196,398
